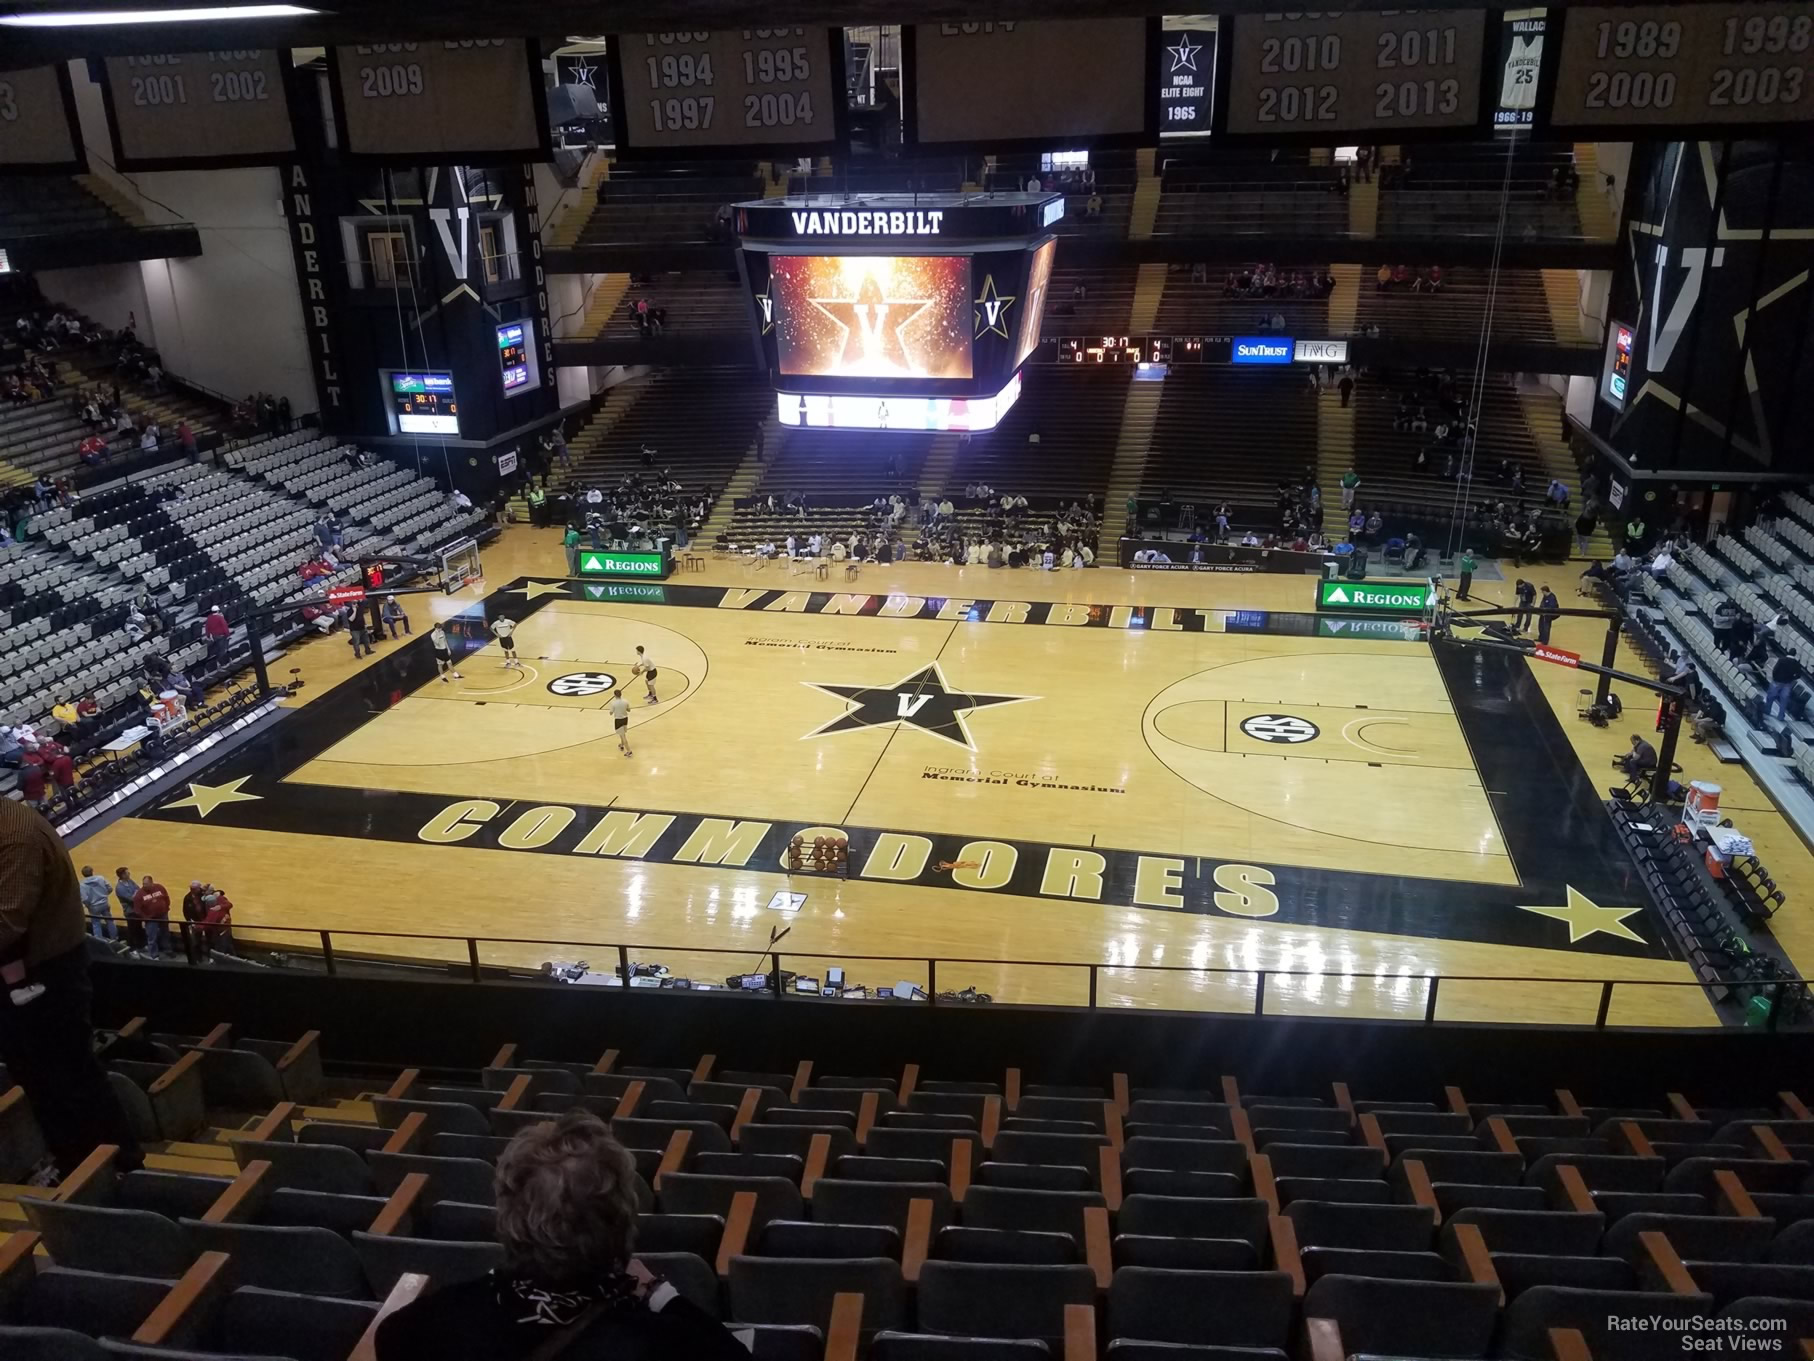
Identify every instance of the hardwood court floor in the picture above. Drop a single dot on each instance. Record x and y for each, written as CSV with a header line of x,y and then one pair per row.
x,y
1371,851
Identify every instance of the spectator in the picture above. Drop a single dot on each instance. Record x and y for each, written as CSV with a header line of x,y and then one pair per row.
x,y
1346,386
1093,205
152,906
1642,757
192,914
1466,567
46,1037
391,613
566,1217
1527,600
358,629
1350,483
216,629
1783,675
97,898
217,921
185,436
1548,610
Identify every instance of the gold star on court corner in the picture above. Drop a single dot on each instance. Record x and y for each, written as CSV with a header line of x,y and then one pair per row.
x,y
1584,917
535,590
992,311
205,798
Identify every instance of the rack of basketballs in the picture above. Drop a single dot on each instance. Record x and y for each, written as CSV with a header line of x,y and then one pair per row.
x,y
821,855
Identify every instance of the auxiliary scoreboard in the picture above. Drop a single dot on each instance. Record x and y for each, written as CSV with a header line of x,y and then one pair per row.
x,y
728,92
197,109
1640,67
1332,75
441,100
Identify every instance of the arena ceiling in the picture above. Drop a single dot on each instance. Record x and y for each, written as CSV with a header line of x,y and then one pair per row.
x,y
374,20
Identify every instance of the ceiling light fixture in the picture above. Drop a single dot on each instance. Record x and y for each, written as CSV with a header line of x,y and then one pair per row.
x,y
98,18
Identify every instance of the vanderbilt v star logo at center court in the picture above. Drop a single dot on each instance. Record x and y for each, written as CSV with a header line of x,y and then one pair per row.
x,y
922,701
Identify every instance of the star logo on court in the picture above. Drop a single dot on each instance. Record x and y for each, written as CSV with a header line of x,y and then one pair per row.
x,y
1584,917
872,321
205,798
1184,56
992,311
535,590
923,701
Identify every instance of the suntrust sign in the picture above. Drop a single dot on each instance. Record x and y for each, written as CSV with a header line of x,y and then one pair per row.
x,y
890,222
1261,350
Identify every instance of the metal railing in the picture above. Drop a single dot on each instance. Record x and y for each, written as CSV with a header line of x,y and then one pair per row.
x,y
465,958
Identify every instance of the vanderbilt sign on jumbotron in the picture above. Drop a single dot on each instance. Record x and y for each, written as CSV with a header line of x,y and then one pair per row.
x,y
895,223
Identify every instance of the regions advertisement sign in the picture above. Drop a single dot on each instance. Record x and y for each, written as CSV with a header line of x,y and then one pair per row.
x,y
1410,597
606,563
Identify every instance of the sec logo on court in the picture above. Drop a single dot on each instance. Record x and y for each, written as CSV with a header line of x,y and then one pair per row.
x,y
1280,728
579,684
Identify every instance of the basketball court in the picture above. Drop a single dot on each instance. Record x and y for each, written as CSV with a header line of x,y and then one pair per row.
x,y
1182,795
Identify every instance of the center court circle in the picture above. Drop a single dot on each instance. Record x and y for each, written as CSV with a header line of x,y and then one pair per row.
x,y
1280,728
579,684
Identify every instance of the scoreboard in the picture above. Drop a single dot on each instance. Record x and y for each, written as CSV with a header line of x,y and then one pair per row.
x,y
1069,82
1332,75
195,109
1640,67
441,100
38,121
728,92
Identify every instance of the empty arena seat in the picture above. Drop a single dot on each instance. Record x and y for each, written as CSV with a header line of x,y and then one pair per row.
x,y
796,1140
836,1201
1713,1238
932,1347
972,1299
1317,1160
889,1141
465,1179
694,1193
1398,1266
1035,1176
1186,1155
1393,1228
1407,1317
789,1290
859,1167
804,1238
105,1239
1606,1319
385,1257
1243,1220
306,1261
1600,1172
1474,1167
1201,1308
1562,1232
1519,1271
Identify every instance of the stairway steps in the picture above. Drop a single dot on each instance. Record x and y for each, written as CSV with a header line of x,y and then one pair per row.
x,y
1147,191
1149,291
1132,444
1562,291
1344,299
166,1162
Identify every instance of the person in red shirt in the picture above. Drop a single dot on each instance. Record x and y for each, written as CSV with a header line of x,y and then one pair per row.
x,y
217,920
217,630
152,906
31,779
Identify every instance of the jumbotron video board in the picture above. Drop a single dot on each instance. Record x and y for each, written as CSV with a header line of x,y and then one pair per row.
x,y
897,312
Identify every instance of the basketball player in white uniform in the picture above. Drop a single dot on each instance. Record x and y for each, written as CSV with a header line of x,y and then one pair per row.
x,y
504,630
645,667
437,639
619,708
